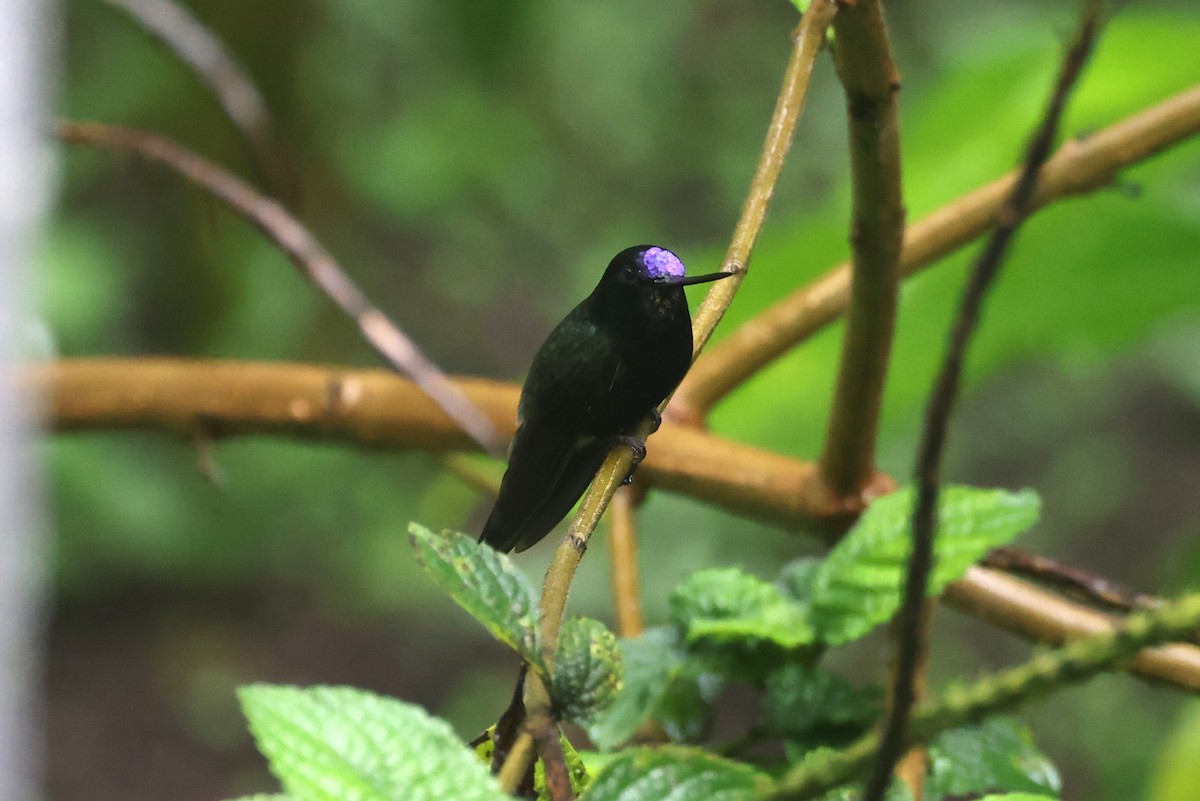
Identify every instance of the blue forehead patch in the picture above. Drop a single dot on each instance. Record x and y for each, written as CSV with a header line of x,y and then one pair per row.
x,y
661,263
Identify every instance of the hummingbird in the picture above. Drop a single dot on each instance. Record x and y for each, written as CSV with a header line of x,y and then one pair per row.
x,y
603,369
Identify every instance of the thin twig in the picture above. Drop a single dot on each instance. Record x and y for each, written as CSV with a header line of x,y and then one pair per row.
x,y
313,261
864,62
998,693
1071,579
911,639
202,51
809,38
1080,166
622,549
913,766
376,409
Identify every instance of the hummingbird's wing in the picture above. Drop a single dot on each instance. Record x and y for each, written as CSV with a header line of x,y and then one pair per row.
x,y
557,449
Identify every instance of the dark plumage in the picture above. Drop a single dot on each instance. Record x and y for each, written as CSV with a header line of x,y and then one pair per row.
x,y
601,371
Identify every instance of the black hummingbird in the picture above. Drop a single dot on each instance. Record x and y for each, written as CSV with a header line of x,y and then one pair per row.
x,y
601,371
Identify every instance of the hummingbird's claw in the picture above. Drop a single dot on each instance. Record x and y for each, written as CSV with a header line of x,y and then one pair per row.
x,y
655,421
639,453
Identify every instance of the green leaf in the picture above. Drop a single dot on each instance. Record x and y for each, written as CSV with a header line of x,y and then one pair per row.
x,y
995,755
334,743
858,586
814,707
726,605
587,670
685,710
650,662
683,774
487,584
663,683
1019,797
264,797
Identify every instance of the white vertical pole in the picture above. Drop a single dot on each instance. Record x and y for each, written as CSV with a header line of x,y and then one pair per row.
x,y
26,180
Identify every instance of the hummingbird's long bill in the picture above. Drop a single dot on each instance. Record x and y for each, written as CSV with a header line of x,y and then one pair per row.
x,y
693,279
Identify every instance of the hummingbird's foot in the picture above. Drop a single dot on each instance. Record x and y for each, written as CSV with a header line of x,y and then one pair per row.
x,y
655,420
639,453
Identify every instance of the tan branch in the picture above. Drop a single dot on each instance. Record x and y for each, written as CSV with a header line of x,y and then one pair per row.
x,y
376,409
863,57
809,38
1080,166
1022,609
622,548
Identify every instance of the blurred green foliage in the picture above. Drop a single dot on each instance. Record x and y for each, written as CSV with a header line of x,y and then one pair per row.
x,y
474,166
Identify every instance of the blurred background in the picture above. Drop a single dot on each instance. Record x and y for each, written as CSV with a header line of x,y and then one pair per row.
x,y
474,166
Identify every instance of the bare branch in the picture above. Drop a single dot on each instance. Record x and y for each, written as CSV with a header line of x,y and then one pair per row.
x,y
1071,579
622,549
313,261
911,636
1022,609
201,50
1080,166
864,62
809,38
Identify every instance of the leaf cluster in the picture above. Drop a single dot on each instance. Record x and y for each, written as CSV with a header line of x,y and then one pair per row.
x,y
726,627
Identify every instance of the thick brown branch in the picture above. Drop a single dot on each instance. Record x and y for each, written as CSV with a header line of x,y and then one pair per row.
x,y
871,81
376,409
307,254
1080,166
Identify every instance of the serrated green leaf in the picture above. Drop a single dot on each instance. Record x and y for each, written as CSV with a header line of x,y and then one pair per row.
x,y
813,707
682,774
857,587
587,670
995,755
487,584
649,662
1019,797
335,743
726,605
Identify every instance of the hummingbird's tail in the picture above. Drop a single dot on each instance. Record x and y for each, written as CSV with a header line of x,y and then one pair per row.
x,y
547,473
